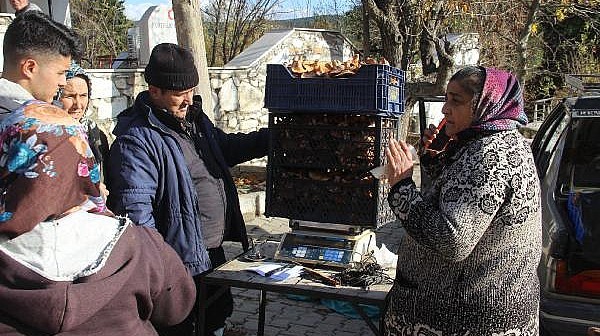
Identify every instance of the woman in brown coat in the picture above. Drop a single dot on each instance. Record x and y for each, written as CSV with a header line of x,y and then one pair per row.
x,y
67,266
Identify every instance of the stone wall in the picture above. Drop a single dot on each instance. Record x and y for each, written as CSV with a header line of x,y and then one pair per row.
x,y
238,99
112,92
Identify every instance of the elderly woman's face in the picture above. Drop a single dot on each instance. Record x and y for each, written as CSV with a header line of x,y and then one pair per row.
x,y
75,97
458,108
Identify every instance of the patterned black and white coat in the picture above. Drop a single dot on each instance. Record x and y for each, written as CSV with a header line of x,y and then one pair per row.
x,y
467,265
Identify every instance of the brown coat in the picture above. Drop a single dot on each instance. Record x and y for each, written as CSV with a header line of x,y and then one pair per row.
x,y
142,283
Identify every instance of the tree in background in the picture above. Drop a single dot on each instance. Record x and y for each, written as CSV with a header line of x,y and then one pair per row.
x,y
538,40
504,29
356,26
535,39
190,34
232,25
413,30
568,42
102,26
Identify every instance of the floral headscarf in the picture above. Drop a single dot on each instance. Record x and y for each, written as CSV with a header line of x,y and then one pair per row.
x,y
46,167
75,70
500,105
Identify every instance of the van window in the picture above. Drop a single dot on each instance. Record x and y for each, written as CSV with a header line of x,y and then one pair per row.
x,y
582,159
583,153
548,139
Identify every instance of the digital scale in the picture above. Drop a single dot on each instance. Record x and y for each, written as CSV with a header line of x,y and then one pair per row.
x,y
317,244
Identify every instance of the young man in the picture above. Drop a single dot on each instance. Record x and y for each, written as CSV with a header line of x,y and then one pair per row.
x,y
169,169
37,54
22,6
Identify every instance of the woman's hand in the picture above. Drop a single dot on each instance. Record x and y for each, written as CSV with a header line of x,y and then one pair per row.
x,y
399,161
103,191
428,135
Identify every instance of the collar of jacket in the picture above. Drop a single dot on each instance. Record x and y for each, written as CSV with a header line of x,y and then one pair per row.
x,y
180,126
141,108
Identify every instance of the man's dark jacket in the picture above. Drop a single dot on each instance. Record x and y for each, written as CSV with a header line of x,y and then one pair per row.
x,y
149,181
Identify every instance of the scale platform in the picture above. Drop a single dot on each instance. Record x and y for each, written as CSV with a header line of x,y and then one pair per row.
x,y
324,249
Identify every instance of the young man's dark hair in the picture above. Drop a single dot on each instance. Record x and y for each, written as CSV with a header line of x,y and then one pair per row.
x,y
34,32
37,54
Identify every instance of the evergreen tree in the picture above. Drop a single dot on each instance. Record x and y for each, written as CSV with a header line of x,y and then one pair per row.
x,y
102,26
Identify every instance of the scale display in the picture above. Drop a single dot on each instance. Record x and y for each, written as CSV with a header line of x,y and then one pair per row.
x,y
326,250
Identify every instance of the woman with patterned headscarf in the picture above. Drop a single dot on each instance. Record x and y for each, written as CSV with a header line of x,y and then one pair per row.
x,y
67,265
75,98
467,264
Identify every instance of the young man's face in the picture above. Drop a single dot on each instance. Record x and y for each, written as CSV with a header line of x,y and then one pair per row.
x,y
48,76
175,102
19,4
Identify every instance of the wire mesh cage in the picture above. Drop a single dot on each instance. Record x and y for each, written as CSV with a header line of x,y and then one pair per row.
x,y
319,167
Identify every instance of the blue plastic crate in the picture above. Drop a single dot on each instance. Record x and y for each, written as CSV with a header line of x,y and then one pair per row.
x,y
376,88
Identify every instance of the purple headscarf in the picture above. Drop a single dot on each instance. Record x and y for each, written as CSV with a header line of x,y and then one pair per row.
x,y
500,106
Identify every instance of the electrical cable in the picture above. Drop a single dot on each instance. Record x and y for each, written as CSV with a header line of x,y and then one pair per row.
x,y
364,273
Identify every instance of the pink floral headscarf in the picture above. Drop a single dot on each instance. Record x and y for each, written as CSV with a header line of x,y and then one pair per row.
x,y
500,105
46,168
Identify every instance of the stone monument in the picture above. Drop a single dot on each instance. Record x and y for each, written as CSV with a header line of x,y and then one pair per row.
x,y
157,25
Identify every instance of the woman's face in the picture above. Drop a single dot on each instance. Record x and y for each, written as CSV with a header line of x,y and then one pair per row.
x,y
75,97
458,108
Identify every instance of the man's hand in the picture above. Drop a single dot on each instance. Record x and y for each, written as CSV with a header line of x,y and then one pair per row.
x,y
593,331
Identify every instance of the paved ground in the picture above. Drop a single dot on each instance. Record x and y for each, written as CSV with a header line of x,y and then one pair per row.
x,y
285,316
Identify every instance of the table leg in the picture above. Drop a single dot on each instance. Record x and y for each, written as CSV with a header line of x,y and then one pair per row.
x,y
262,305
366,318
201,306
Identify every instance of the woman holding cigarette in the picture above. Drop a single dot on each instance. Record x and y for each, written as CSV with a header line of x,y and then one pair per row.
x,y
467,264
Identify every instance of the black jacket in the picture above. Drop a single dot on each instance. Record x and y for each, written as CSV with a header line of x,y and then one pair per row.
x,y
230,149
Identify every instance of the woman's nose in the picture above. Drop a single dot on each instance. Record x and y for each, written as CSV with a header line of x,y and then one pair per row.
x,y
78,103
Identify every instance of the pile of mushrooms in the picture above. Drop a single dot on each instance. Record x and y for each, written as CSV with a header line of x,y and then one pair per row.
x,y
335,69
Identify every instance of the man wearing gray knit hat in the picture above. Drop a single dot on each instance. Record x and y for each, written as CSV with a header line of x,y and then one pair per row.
x,y
169,169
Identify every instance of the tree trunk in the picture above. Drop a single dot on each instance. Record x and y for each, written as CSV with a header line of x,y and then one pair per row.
x,y
366,42
391,44
190,34
521,66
